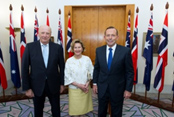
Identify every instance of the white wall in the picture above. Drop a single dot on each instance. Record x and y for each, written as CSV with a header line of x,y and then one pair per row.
x,y
54,5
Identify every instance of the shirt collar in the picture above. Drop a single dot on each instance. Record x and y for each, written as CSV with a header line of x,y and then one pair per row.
x,y
113,47
44,44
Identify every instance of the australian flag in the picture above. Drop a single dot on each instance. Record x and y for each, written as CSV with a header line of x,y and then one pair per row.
x,y
36,28
148,54
13,57
60,37
127,43
162,56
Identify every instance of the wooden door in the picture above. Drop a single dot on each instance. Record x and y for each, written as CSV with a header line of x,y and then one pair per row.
x,y
112,16
90,22
85,27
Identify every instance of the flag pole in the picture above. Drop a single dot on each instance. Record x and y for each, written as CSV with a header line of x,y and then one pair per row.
x,y
173,100
16,91
145,94
158,96
3,93
134,89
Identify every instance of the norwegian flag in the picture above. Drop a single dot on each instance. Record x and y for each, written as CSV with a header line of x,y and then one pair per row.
x,y
48,22
69,38
162,56
60,37
3,79
36,28
135,51
13,57
148,54
23,38
127,43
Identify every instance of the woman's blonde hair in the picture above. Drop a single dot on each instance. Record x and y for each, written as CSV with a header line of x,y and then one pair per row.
x,y
77,41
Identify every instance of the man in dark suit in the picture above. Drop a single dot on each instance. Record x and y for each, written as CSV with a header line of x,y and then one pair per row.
x,y
43,72
113,74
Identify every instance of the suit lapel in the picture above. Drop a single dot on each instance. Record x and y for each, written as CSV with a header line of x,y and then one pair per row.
x,y
116,56
40,53
106,63
50,51
104,57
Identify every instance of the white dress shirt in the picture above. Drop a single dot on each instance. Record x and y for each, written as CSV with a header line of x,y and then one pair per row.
x,y
47,49
107,51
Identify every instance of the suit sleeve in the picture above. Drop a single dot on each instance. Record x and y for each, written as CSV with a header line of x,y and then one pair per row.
x,y
129,71
96,68
26,82
61,65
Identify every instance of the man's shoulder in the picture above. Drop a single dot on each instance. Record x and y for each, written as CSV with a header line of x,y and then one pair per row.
x,y
123,47
32,43
54,44
101,48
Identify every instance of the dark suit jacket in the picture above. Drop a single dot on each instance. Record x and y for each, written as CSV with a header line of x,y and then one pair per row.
x,y
34,72
120,76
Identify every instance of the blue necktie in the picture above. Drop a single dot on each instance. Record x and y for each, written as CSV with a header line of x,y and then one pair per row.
x,y
110,58
45,54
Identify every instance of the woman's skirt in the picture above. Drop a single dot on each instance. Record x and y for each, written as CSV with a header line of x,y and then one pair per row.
x,y
79,102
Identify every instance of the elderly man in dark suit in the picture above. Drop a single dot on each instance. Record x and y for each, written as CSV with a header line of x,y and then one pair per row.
x,y
43,72
113,74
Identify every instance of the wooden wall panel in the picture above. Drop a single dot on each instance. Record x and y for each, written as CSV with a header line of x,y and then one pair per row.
x,y
85,27
112,16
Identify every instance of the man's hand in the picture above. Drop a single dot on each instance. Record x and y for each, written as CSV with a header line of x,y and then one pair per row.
x,y
62,88
95,89
29,93
127,94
